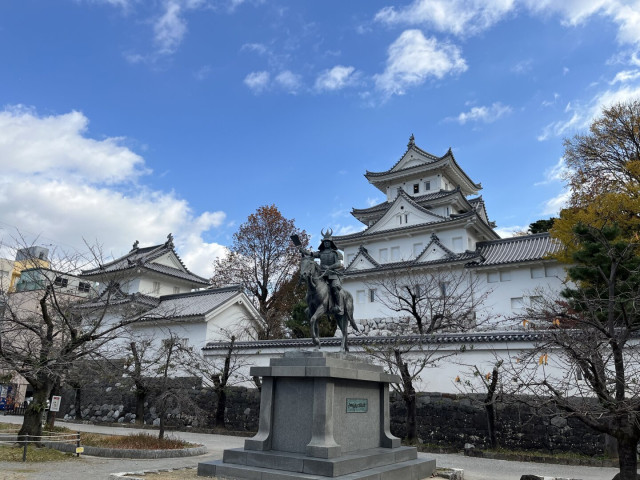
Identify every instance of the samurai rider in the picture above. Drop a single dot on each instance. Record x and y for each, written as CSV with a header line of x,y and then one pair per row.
x,y
331,265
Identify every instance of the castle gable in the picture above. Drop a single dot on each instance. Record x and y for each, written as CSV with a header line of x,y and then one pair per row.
x,y
362,261
435,250
404,212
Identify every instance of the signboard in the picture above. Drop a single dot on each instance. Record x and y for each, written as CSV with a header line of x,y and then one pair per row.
x,y
55,403
357,405
79,449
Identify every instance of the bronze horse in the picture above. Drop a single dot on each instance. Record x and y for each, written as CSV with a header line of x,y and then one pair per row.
x,y
318,298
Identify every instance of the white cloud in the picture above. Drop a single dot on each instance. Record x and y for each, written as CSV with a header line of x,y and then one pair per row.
x,y
55,147
626,15
412,59
483,114
170,28
459,17
289,81
583,115
510,231
60,185
522,67
203,73
470,17
259,48
257,81
553,206
336,78
556,173
625,76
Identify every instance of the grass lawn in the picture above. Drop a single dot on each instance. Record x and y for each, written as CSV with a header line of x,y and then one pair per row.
x,y
34,454
143,441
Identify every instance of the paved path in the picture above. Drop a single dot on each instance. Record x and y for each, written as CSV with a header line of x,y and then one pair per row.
x,y
96,468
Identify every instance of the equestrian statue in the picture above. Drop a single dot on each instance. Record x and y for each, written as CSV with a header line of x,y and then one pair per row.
x,y
324,287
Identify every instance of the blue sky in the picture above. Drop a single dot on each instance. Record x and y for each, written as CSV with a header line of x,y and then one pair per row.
x,y
129,119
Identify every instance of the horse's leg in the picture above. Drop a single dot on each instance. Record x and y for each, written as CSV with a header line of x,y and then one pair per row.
x,y
313,324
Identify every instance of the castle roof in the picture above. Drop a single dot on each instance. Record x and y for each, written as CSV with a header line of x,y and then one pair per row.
x,y
143,258
517,249
192,304
410,166
361,340
529,248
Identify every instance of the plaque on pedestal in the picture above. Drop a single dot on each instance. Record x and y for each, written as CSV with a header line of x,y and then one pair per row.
x,y
322,415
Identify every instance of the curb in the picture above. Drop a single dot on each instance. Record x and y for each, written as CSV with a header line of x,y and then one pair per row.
x,y
129,453
123,452
131,475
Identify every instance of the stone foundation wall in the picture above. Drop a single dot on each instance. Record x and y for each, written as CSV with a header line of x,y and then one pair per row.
x,y
453,420
443,419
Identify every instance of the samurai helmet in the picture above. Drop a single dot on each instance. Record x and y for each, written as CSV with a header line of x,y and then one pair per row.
x,y
327,236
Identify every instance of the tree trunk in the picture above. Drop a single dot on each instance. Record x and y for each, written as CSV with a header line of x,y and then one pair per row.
x,y
161,432
491,424
77,402
51,416
141,396
220,407
412,413
409,396
628,457
32,423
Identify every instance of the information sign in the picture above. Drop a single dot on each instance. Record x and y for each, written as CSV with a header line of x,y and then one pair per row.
x,y
357,405
55,403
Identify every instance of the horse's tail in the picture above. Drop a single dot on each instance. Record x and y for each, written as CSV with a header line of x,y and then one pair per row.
x,y
348,309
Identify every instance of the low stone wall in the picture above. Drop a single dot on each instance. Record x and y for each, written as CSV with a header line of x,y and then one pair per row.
x,y
443,419
454,420
191,406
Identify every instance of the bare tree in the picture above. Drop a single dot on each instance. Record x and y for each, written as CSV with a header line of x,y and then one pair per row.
x,y
437,300
44,330
219,372
489,382
588,364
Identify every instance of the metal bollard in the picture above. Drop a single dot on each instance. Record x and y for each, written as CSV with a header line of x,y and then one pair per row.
x,y
78,445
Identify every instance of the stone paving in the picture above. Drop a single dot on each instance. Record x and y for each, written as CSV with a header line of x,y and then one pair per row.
x,y
95,468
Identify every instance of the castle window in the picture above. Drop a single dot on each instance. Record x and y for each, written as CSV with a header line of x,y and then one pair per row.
x,y
416,188
84,287
493,277
176,289
372,295
61,282
537,272
417,248
427,186
516,303
383,255
505,276
395,254
156,287
457,244
360,296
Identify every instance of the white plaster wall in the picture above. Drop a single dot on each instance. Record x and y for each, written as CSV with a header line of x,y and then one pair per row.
x,y
441,377
166,288
232,320
406,243
497,306
437,183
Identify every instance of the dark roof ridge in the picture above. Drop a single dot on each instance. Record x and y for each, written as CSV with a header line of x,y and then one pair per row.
x,y
412,227
206,291
515,239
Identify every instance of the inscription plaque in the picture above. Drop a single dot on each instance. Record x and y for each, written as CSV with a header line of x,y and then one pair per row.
x,y
357,405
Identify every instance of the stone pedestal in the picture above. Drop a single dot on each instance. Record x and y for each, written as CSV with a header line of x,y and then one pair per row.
x,y
322,415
